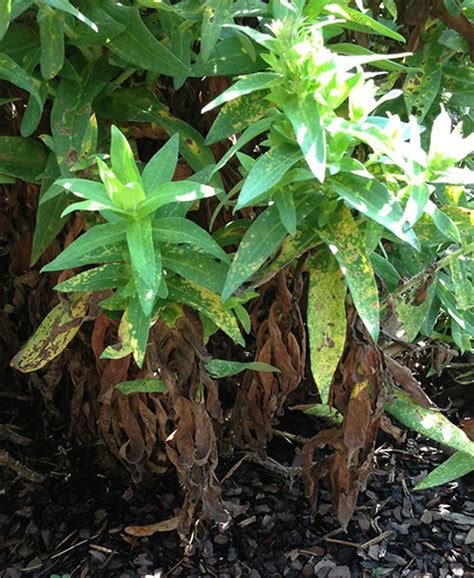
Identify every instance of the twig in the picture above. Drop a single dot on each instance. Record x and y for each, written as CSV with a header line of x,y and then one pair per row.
x,y
21,470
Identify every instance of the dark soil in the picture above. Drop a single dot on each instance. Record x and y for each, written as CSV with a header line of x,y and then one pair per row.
x,y
73,523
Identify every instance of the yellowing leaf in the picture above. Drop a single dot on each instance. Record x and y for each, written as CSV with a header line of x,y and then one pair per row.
x,y
347,244
53,335
326,318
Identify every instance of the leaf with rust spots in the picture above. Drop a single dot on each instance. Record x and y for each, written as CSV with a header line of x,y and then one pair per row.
x,y
208,304
347,244
326,301
237,115
53,335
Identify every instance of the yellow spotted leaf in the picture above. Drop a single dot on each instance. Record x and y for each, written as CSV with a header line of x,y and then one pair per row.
x,y
346,242
326,317
54,334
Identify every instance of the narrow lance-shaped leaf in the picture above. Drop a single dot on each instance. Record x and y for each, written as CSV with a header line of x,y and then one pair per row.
x,y
208,304
107,276
215,14
178,191
219,368
123,162
54,334
149,385
245,85
267,172
286,208
347,244
161,167
326,301
5,10
305,117
137,327
145,261
51,27
428,422
100,237
455,467
12,72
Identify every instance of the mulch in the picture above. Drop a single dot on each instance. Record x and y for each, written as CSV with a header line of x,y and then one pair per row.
x,y
72,522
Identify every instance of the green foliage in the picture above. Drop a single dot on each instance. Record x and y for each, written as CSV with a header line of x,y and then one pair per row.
x,y
374,182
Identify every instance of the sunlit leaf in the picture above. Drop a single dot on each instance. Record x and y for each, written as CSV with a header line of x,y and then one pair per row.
x,y
219,368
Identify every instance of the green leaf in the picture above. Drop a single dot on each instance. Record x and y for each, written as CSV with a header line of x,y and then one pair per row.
x,y
305,117
145,260
324,410
137,45
215,14
103,237
108,276
33,112
48,214
456,466
54,334
82,188
326,301
347,244
286,208
178,230
419,195
5,10
12,72
267,172
428,422
245,85
123,161
269,231
385,270
67,7
364,20
51,27
219,368
208,303
421,86
139,105
22,158
137,328
173,192
248,135
197,267
70,114
237,115
372,198
161,167
149,385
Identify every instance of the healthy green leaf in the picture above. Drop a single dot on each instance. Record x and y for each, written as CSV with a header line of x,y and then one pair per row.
x,y
305,117
215,14
67,7
5,10
149,385
456,466
286,208
123,162
104,237
219,368
176,191
326,300
267,172
145,261
161,167
178,230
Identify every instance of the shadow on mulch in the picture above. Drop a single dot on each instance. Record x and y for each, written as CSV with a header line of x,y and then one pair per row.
x,y
72,524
